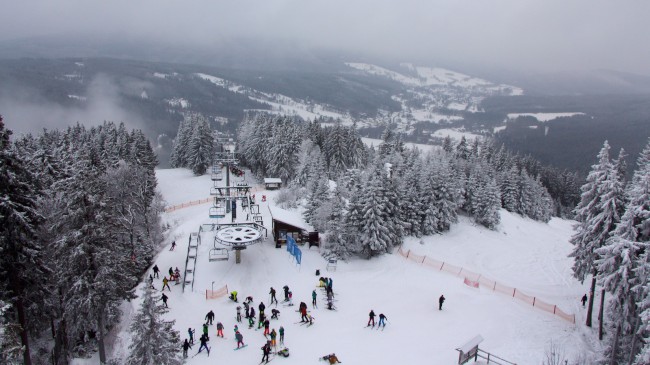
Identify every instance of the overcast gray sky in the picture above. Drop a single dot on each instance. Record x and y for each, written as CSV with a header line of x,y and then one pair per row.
x,y
536,35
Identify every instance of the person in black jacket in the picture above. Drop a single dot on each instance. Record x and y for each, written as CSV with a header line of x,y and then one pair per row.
x,y
186,345
440,301
266,349
209,317
371,318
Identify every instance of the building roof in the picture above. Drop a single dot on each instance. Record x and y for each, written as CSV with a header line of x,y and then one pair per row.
x,y
272,180
290,217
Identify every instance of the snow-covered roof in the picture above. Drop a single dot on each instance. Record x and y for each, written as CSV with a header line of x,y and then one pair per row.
x,y
290,217
466,348
272,180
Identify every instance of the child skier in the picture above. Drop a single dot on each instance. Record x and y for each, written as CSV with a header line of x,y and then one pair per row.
x,y
165,284
233,296
190,332
219,329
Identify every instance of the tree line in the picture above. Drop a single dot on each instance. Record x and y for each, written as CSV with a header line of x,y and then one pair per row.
x,y
79,222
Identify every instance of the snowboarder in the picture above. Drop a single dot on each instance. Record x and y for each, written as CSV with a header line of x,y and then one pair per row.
x,y
266,327
273,298
233,296
190,332
240,339
281,332
303,312
155,271
266,349
275,313
371,318
165,284
273,335
382,319
236,329
239,314
209,317
173,246
204,344
164,299
440,301
261,307
584,300
313,298
331,358
286,293
186,345
219,329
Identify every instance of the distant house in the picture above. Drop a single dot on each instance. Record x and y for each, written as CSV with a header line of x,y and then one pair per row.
x,y
272,183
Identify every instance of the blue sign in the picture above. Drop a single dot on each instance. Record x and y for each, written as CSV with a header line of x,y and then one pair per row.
x,y
293,249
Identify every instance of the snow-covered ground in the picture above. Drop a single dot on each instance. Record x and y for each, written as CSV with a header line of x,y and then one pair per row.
x,y
455,134
422,147
521,253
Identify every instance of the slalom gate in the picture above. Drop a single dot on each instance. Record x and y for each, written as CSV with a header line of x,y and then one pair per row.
x,y
214,294
475,280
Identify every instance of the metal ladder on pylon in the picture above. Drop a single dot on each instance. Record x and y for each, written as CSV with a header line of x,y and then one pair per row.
x,y
190,261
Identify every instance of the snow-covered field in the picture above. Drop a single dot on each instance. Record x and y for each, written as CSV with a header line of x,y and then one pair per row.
x,y
521,253
542,117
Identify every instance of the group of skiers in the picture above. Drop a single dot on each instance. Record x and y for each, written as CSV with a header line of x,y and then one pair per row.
x,y
371,319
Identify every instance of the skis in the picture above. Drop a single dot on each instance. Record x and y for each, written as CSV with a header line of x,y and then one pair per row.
x,y
238,348
207,350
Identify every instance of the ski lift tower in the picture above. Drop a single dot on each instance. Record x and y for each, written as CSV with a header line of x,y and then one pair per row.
x,y
236,235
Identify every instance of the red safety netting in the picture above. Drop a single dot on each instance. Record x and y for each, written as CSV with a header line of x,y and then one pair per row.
x,y
214,294
474,279
185,205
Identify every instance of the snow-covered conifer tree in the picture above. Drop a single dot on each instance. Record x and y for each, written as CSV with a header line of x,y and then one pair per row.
x,y
154,340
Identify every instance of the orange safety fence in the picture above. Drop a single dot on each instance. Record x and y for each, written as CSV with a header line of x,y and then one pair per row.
x,y
214,294
475,280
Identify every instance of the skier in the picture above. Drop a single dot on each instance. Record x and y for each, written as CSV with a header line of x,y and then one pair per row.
x,y
261,307
186,345
284,352
273,298
204,344
310,319
209,317
233,296
275,313
252,313
266,327
190,332
164,299
240,339
440,301
155,271
219,329
303,312
173,246
151,282
290,298
205,332
313,298
330,304
171,272
249,299
177,276
331,358
329,284
251,322
274,335
286,293
246,308
281,332
239,314
382,319
584,300
165,284
266,349
260,322
371,318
